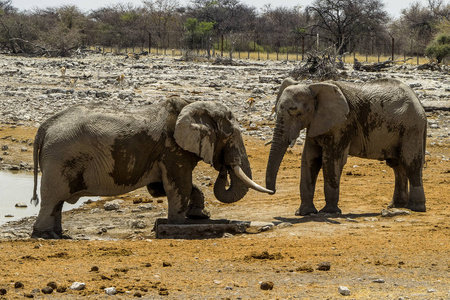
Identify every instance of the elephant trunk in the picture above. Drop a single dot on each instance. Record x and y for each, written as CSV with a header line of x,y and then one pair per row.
x,y
237,190
240,182
277,150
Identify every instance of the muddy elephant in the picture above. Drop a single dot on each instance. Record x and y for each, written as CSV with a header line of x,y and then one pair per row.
x,y
92,150
381,120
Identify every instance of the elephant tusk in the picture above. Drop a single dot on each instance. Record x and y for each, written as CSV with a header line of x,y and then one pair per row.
x,y
250,183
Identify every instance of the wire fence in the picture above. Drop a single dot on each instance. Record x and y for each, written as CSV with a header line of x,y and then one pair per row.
x,y
258,55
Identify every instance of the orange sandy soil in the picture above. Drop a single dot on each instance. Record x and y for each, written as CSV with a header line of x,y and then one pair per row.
x,y
409,254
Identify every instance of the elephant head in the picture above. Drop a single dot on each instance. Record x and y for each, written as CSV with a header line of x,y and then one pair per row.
x,y
210,130
318,107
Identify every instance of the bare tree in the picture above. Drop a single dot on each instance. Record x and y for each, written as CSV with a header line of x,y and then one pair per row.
x,y
345,22
162,18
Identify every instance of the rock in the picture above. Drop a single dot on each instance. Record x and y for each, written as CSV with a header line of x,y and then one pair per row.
x,y
379,280
139,224
5,147
305,268
147,206
61,289
78,286
94,269
111,291
284,225
18,285
2,292
266,285
324,266
113,205
47,290
21,205
53,285
344,291
392,212
256,227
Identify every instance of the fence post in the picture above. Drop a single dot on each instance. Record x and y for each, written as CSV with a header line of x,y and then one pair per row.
x,y
221,46
393,41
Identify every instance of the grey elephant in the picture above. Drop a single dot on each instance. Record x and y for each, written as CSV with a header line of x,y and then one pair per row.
x,y
381,120
92,150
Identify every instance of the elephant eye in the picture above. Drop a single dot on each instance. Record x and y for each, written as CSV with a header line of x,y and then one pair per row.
x,y
294,112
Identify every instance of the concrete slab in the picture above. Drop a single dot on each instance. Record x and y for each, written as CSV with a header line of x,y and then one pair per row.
x,y
199,229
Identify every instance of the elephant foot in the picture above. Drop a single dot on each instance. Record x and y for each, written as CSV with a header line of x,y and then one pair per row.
x,y
417,207
332,209
398,204
306,210
47,235
198,213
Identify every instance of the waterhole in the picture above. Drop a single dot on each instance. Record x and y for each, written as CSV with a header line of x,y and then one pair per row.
x,y
17,187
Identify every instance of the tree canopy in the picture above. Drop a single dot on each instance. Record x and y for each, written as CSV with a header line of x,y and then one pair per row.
x,y
342,25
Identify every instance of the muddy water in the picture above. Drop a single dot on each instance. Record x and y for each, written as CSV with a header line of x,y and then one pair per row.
x,y
17,187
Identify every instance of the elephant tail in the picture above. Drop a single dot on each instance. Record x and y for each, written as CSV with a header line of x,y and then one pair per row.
x,y
425,144
38,140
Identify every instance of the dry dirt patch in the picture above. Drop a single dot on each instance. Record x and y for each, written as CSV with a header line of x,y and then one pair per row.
x,y
374,256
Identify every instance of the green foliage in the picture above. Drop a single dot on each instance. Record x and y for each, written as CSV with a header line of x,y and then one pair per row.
x,y
440,47
197,32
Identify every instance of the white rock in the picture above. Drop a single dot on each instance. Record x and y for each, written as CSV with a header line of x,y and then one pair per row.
x,y
113,205
77,286
343,290
392,212
111,291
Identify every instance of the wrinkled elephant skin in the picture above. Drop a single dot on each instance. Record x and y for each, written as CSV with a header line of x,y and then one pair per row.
x,y
95,151
381,120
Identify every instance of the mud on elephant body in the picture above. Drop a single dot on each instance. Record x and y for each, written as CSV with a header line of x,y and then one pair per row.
x,y
381,120
95,151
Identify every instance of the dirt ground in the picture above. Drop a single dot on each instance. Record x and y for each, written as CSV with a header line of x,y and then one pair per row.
x,y
375,257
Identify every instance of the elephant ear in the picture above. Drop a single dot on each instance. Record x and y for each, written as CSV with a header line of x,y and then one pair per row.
x,y
196,128
286,82
331,108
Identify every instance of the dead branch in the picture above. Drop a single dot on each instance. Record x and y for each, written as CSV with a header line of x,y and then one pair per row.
x,y
318,66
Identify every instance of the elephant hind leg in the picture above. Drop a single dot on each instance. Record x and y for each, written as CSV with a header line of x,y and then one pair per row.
x,y
48,223
400,197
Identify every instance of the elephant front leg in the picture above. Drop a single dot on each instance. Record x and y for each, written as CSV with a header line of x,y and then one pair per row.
x,y
310,167
332,170
196,208
178,188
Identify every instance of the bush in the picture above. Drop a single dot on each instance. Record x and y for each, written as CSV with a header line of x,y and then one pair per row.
x,y
439,48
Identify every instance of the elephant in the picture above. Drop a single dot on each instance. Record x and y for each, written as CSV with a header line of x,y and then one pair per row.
x,y
91,150
382,119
